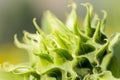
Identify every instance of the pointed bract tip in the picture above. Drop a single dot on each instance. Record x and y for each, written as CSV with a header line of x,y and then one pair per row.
x,y
73,5
88,6
104,12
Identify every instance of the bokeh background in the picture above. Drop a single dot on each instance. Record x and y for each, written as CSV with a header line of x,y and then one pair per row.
x,y
17,15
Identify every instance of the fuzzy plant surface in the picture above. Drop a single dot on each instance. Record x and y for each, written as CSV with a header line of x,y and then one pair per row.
x,y
64,51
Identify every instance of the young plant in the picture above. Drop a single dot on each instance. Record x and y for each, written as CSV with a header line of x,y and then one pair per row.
x,y
66,52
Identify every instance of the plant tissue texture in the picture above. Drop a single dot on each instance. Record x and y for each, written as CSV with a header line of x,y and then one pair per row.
x,y
61,51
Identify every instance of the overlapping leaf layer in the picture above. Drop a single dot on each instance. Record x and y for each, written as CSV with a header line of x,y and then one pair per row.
x,y
63,51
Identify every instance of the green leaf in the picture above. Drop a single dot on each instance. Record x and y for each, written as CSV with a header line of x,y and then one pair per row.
x,y
98,36
54,72
22,70
59,41
102,52
38,28
4,75
107,76
82,66
25,71
20,45
72,21
85,48
103,23
50,23
106,61
114,65
46,57
88,28
64,53
82,36
94,20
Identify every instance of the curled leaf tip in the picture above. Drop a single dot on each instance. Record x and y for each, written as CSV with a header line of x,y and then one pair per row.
x,y
104,12
19,44
104,20
16,40
34,19
87,23
73,5
36,25
88,6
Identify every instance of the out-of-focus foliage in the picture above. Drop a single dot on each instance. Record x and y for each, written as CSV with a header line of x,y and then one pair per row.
x,y
9,53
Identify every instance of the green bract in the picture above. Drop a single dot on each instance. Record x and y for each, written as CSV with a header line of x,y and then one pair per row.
x,y
65,52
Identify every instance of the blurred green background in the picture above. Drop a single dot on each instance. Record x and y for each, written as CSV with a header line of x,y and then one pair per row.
x,y
17,15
